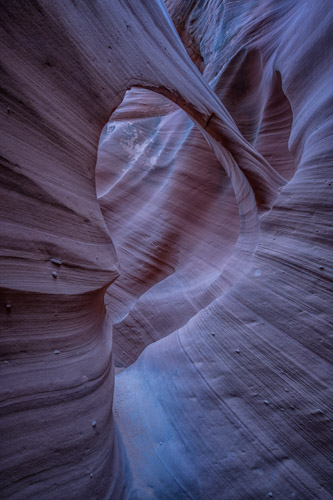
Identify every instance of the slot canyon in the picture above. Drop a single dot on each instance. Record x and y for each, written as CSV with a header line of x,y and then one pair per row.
x,y
166,249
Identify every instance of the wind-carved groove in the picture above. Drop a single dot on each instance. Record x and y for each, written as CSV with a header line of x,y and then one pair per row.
x,y
208,121
138,163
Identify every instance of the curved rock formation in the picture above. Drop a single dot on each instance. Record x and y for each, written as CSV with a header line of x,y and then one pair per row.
x,y
211,223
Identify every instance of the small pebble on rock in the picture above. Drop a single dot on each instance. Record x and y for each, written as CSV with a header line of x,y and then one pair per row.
x,y
93,423
57,262
54,274
56,352
267,402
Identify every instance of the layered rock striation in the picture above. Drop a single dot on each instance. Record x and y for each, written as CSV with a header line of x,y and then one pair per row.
x,y
166,209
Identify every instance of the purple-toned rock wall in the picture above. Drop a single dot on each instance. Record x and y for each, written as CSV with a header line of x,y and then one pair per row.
x,y
166,249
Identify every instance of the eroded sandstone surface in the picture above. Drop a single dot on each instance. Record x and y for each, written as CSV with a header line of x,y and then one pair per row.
x,y
166,249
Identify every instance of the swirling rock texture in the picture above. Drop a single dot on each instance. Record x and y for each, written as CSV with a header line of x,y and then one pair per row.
x,y
211,223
